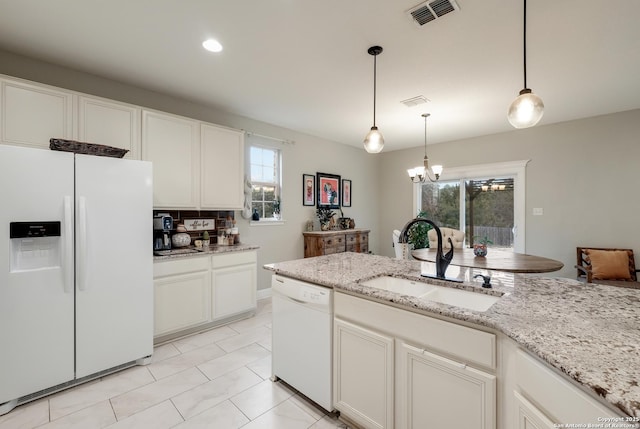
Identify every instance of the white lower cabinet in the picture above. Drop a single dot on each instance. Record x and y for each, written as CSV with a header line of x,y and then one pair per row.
x,y
182,294
199,292
530,417
363,375
233,284
435,392
398,369
557,400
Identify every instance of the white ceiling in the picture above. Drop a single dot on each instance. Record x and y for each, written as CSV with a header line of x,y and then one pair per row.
x,y
304,65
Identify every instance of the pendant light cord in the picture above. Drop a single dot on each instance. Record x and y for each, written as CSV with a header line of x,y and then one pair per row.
x,y
425,136
524,43
374,88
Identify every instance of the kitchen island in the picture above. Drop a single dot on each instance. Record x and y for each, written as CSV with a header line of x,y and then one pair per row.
x,y
588,333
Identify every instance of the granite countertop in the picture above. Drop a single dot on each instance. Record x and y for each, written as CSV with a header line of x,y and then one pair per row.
x,y
191,251
590,333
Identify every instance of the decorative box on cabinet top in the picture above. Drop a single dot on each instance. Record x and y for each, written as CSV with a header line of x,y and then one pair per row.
x,y
318,243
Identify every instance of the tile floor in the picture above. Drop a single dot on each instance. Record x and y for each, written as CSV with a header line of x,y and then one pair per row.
x,y
216,379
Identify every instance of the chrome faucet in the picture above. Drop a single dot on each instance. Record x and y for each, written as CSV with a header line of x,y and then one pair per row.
x,y
442,261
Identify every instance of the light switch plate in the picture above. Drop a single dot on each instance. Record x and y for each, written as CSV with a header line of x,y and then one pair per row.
x,y
538,211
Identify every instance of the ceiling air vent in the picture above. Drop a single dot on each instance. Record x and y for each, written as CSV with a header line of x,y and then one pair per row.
x,y
431,10
415,101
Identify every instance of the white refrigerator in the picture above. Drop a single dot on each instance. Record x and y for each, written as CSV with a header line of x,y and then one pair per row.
x,y
76,269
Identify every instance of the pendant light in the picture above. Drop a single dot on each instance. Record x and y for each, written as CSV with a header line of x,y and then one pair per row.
x,y
374,142
421,173
527,109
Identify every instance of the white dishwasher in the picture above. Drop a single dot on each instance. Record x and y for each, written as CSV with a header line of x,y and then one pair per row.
x,y
302,332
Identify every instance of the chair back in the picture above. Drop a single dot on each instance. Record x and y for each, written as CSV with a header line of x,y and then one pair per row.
x,y
401,249
600,263
456,235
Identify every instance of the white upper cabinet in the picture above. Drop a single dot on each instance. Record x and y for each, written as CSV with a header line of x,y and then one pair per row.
x,y
222,168
33,114
172,144
109,123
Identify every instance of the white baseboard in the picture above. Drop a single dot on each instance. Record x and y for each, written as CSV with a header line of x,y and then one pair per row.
x,y
264,293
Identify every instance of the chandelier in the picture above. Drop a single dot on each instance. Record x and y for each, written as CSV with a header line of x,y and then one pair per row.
x,y
421,173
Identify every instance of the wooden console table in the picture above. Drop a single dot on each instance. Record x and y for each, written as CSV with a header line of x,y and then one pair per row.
x,y
318,243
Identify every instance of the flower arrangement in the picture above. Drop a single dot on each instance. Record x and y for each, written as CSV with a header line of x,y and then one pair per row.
x,y
324,215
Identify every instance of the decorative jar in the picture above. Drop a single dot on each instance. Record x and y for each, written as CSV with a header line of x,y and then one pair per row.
x,y
181,239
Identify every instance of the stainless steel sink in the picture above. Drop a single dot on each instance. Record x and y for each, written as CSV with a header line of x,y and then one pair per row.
x,y
445,295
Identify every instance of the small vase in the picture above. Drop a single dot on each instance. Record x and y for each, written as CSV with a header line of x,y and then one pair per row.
x,y
324,226
480,250
255,215
181,239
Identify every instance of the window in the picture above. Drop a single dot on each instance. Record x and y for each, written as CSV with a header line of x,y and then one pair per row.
x,y
264,164
483,200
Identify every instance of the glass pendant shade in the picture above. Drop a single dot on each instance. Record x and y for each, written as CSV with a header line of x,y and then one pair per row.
x,y
526,110
374,142
437,170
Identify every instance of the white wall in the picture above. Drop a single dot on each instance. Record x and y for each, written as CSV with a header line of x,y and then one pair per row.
x,y
307,156
585,174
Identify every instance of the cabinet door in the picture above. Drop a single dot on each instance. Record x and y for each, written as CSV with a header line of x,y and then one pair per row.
x,y
233,290
222,168
109,123
435,392
172,143
529,417
181,302
30,115
363,375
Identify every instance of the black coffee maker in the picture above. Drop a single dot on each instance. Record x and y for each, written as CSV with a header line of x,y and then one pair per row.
x,y
162,226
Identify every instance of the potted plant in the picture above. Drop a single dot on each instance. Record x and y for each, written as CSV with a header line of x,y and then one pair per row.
x,y
276,208
480,245
325,215
417,237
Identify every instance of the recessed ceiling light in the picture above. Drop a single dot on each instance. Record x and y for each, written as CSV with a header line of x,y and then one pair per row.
x,y
212,45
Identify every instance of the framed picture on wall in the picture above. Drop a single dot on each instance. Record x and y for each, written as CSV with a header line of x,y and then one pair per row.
x,y
328,190
346,193
308,190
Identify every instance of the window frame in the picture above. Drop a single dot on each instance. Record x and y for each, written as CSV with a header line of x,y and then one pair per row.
x,y
515,169
261,144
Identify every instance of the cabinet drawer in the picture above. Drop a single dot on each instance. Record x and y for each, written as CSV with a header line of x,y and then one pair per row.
x,y
358,248
467,345
164,268
557,397
357,238
335,241
233,258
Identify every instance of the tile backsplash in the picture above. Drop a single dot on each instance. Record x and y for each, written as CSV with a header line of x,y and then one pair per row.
x,y
220,217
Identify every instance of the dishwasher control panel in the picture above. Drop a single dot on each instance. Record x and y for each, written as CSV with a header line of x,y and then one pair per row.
x,y
302,292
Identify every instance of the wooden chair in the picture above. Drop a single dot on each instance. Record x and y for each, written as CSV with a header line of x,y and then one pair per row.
x,y
614,267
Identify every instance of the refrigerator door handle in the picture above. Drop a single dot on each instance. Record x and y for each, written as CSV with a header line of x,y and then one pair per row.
x,y
67,255
81,254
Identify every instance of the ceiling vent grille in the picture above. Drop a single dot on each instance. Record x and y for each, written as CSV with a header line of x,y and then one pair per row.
x,y
415,101
431,10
